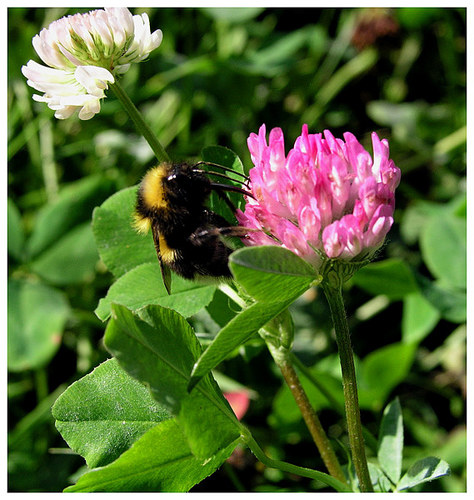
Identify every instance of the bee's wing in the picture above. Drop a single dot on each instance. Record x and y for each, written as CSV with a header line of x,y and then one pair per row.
x,y
166,274
165,270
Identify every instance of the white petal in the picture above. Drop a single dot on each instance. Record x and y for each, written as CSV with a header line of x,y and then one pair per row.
x,y
59,32
65,112
156,39
122,68
102,29
143,43
33,69
41,98
84,32
87,105
121,25
75,100
117,32
50,54
138,32
123,16
70,56
94,79
90,108
47,79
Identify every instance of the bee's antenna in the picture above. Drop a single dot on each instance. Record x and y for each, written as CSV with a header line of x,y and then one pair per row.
x,y
218,174
227,169
229,187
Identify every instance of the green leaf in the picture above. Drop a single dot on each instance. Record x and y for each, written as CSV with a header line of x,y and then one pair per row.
x,y
74,205
236,332
443,246
391,277
280,51
71,260
103,413
426,469
16,236
271,273
222,309
223,156
402,116
119,245
454,448
160,460
413,220
227,158
160,350
37,315
419,318
381,371
390,451
277,282
450,302
379,479
415,18
143,286
283,48
417,215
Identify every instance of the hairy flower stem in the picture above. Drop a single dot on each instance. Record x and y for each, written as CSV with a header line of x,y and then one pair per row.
x,y
333,292
282,357
278,335
369,439
139,122
312,421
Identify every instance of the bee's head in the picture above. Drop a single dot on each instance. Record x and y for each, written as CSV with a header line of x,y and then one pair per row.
x,y
182,185
174,186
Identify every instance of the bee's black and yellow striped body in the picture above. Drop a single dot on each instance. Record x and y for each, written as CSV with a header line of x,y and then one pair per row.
x,y
187,235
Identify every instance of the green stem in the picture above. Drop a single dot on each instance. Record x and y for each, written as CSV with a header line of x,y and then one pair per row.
x,y
282,356
370,440
278,336
312,421
321,387
290,468
333,292
41,384
229,470
139,122
48,164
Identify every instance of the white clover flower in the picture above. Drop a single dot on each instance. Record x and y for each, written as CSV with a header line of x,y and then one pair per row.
x,y
83,52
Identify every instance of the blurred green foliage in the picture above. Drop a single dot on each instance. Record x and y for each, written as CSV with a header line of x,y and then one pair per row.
x,y
218,75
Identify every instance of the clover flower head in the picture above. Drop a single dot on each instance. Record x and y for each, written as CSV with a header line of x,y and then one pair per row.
x,y
83,53
327,198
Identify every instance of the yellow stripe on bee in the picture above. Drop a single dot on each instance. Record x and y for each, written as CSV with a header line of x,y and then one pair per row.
x,y
141,224
152,187
167,254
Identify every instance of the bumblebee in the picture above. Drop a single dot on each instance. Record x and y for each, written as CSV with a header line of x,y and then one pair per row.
x,y
188,237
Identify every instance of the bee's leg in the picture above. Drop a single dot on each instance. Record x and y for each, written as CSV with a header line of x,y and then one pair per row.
x,y
235,231
224,197
210,250
229,231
